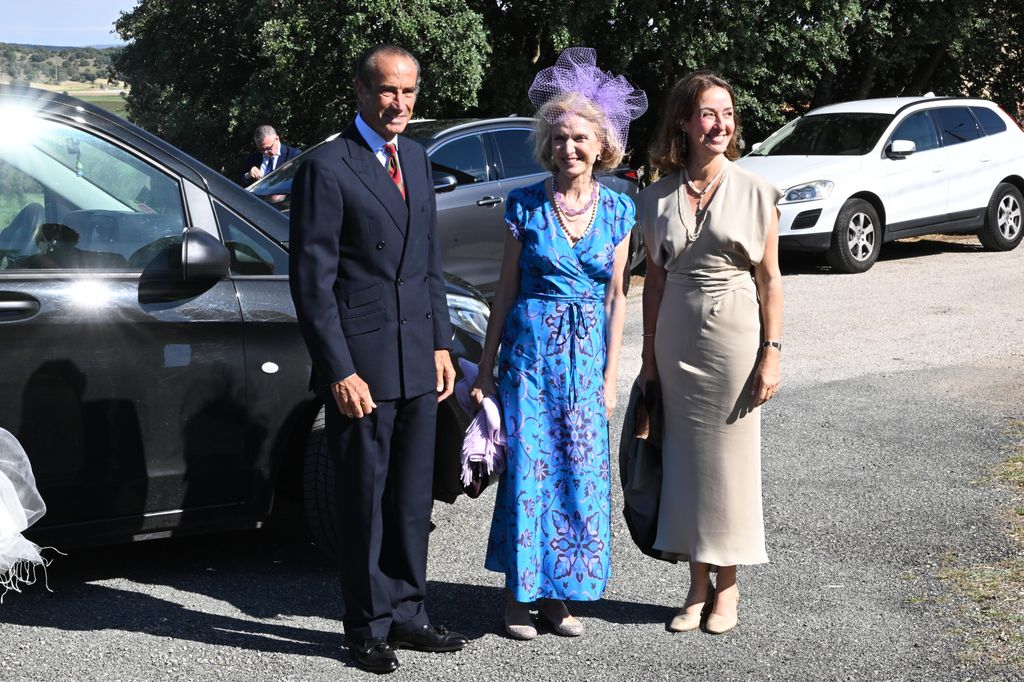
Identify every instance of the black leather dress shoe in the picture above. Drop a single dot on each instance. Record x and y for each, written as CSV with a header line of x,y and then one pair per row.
x,y
429,638
374,656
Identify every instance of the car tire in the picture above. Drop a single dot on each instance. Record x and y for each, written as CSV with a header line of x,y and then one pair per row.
x,y
856,238
1004,223
319,490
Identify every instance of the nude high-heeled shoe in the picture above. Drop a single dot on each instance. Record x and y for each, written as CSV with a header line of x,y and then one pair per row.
x,y
689,618
718,624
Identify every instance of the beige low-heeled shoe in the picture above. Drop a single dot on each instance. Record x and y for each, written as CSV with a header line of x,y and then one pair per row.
x,y
519,626
717,624
558,617
686,620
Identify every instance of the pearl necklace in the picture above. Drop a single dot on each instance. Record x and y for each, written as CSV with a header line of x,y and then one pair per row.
x,y
701,192
563,219
570,212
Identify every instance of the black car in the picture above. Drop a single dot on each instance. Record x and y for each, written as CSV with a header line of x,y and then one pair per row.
x,y
153,366
476,163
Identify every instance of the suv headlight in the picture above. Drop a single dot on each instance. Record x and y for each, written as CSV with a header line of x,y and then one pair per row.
x,y
469,314
809,191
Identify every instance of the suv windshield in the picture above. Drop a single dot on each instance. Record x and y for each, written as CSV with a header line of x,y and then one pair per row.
x,y
849,134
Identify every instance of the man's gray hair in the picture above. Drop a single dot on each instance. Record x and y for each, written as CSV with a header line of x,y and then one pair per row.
x,y
263,132
366,67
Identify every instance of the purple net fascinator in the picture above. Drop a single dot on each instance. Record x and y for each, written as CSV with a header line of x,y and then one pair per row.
x,y
575,71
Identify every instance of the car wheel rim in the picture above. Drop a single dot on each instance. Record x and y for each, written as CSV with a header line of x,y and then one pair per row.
x,y
1008,217
860,236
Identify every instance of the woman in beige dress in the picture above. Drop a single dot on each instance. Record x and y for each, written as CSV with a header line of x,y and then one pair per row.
x,y
712,309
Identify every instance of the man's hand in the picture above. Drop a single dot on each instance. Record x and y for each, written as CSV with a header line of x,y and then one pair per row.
x,y
255,173
353,397
445,374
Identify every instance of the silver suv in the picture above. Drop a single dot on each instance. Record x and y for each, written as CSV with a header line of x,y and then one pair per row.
x,y
476,163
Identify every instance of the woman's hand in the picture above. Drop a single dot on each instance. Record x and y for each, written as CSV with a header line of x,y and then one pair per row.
x,y
610,399
648,373
767,378
483,387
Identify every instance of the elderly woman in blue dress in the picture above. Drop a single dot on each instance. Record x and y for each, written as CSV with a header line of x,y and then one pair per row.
x,y
559,313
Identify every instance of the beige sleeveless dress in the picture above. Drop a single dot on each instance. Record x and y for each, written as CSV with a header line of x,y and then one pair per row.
x,y
707,345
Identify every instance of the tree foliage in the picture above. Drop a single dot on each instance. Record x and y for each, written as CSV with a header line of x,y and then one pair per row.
x,y
203,74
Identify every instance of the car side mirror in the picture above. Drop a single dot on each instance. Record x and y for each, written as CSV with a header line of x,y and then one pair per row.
x,y
444,182
203,256
754,147
900,149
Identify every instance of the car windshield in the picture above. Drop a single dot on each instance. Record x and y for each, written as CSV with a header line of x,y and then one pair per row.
x,y
845,134
88,171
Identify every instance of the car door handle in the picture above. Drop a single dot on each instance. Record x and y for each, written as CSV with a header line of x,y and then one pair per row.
x,y
938,169
984,159
16,310
490,201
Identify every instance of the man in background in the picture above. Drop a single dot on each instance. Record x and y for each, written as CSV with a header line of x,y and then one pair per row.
x,y
270,154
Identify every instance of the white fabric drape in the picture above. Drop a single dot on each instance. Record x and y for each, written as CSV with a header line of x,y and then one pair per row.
x,y
20,507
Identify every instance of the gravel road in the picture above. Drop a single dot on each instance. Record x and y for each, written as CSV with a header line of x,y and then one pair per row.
x,y
898,388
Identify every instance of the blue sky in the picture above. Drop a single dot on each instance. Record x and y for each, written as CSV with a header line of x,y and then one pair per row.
x,y
75,23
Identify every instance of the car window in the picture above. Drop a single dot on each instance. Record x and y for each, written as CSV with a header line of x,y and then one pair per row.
x,y
516,153
251,252
919,129
464,158
840,134
956,125
991,122
78,202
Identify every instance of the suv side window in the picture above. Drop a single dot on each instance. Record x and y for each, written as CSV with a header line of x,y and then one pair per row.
x,y
919,129
465,158
82,203
957,125
516,153
990,121
251,252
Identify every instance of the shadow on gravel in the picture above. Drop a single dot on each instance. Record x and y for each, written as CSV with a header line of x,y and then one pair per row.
x,y
476,610
266,574
796,263
97,607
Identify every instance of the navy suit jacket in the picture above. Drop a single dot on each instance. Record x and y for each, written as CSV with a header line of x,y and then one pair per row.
x,y
255,159
365,268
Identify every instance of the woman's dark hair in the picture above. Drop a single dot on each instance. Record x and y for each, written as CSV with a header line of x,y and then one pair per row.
x,y
667,153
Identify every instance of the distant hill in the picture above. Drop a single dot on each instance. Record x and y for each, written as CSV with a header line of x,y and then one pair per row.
x,y
30,47
56,65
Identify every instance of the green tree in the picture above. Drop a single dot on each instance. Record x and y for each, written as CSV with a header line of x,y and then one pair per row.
x,y
771,51
205,73
951,47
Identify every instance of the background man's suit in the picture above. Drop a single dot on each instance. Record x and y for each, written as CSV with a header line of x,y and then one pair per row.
x,y
255,160
365,272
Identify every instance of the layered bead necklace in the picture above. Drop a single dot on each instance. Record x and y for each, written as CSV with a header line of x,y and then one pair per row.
x,y
699,193
565,215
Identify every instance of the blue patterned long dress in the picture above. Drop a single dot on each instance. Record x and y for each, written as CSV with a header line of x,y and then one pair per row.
x,y
550,534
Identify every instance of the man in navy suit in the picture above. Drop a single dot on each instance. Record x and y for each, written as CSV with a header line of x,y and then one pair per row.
x,y
270,155
366,279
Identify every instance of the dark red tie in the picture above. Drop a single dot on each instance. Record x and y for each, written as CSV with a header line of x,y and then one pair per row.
x,y
393,169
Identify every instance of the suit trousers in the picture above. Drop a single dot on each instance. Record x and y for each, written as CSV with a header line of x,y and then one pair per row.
x,y
384,465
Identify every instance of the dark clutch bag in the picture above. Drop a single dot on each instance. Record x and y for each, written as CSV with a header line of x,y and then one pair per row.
x,y
640,467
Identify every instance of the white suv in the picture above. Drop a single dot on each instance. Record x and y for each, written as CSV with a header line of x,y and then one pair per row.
x,y
858,174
